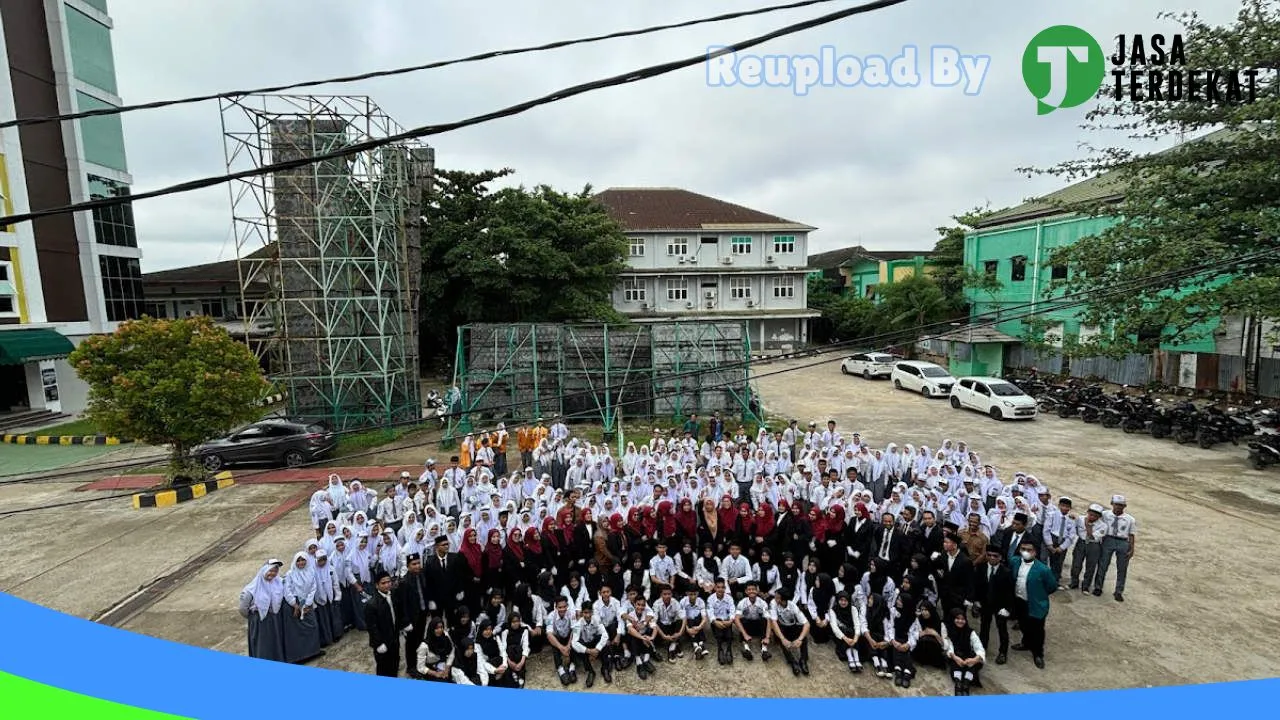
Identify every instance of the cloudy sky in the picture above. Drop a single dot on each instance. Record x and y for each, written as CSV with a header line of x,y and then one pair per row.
x,y
881,167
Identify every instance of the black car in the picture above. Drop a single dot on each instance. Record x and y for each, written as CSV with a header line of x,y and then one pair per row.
x,y
274,441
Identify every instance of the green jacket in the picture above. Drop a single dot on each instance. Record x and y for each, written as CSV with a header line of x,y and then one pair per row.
x,y
1040,585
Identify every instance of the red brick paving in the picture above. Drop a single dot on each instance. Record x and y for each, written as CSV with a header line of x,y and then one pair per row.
x,y
376,474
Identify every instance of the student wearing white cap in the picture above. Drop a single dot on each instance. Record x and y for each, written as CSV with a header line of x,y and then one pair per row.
x,y
1059,535
1119,542
1089,533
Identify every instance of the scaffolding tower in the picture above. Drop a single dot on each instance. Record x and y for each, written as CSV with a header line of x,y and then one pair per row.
x,y
337,243
596,371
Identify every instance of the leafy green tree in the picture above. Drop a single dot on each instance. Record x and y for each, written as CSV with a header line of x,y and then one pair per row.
x,y
170,382
1210,200
950,272
910,304
513,255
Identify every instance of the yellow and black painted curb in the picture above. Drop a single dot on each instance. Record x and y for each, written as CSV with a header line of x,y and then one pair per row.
x,y
166,498
64,440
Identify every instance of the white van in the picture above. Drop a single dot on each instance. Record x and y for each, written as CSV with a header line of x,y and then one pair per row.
x,y
923,377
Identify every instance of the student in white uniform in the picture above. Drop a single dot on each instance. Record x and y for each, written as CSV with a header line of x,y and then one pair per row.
x,y
789,625
559,624
695,621
590,642
753,622
1088,549
670,618
723,612
608,611
1119,543
847,627
642,626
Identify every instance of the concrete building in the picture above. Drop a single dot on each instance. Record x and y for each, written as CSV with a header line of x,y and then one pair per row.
x,y
693,257
65,277
858,271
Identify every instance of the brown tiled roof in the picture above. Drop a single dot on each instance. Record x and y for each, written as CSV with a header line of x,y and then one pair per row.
x,y
835,258
890,255
651,209
217,273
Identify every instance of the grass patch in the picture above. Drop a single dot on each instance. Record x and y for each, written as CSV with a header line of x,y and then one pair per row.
x,y
75,427
364,441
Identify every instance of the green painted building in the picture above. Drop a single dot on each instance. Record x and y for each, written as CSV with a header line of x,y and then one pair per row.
x,y
1014,246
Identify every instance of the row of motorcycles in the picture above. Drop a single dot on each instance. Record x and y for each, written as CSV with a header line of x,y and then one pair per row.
x,y
1137,411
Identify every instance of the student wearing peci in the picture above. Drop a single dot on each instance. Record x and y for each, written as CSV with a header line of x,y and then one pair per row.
x,y
1033,584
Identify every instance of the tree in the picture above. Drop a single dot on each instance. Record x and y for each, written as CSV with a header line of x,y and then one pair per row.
x,y
844,317
910,304
513,255
950,272
169,382
1208,201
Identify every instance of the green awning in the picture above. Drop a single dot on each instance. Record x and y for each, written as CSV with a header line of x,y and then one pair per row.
x,y
23,346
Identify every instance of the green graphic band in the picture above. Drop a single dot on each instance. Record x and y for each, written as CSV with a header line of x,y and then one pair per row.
x,y
27,699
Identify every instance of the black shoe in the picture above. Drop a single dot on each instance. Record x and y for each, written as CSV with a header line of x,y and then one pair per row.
x,y
795,668
573,676
1097,592
606,671
765,654
964,687
564,679
959,690
1002,659
641,672
804,667
1119,597
746,653
857,669
1039,661
591,679
897,678
650,668
1019,647
1074,586
906,681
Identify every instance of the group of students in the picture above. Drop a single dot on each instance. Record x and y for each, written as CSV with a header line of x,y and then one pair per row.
x,y
899,558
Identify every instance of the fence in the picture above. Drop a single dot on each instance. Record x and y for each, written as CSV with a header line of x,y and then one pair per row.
x,y
1207,372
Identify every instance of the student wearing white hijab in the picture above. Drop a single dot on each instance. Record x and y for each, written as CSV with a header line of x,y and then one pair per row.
x,y
301,632
260,604
328,595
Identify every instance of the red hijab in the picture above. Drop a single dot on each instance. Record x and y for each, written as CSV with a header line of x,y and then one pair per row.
x,y
687,519
765,520
667,517
635,520
493,549
835,523
650,521
516,545
472,552
616,523
860,509
533,541
746,521
566,527
784,507
549,533
728,516
818,525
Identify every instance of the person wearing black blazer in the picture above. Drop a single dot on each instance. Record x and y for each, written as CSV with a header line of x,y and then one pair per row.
x,y
1008,539
859,538
954,573
994,593
890,544
384,628
927,538
413,598
444,579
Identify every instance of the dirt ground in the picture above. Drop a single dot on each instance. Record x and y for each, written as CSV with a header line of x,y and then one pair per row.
x,y
1206,522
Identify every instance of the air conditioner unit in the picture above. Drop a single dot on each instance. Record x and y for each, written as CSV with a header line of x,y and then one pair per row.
x,y
769,259
681,260
711,305
644,306
689,305
751,303
727,260
710,294
693,260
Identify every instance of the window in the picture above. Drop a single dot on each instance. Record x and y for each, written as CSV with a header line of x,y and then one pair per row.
x,y
678,246
1018,268
783,244
113,224
248,309
870,291
212,308
103,135
7,306
677,290
740,245
157,310
990,267
92,60
8,293
739,288
6,275
637,247
121,287
1058,272
784,287
633,290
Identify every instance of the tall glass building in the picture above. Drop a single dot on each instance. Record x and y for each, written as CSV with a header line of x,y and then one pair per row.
x,y
67,276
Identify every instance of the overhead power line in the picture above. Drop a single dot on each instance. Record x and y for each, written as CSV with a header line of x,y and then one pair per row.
x,y
988,319
646,73
344,79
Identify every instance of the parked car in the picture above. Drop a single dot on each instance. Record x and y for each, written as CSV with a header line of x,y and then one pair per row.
x,y
923,377
274,441
1000,399
868,365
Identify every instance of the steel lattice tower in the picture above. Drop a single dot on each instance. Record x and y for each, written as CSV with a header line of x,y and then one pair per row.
x,y
338,245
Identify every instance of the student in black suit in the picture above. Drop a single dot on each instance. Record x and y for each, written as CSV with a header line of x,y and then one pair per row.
x,y
993,588
443,572
413,596
954,572
1010,538
927,538
859,537
890,544
384,629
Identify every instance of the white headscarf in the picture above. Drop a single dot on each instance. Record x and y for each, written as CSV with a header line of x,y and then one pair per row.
x,y
267,594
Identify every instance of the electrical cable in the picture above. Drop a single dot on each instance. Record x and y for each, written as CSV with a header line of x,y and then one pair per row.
x,y
345,79
1118,290
626,78
991,318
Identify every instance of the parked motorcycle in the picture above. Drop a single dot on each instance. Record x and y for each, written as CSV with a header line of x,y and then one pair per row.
x,y
1264,451
1217,426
